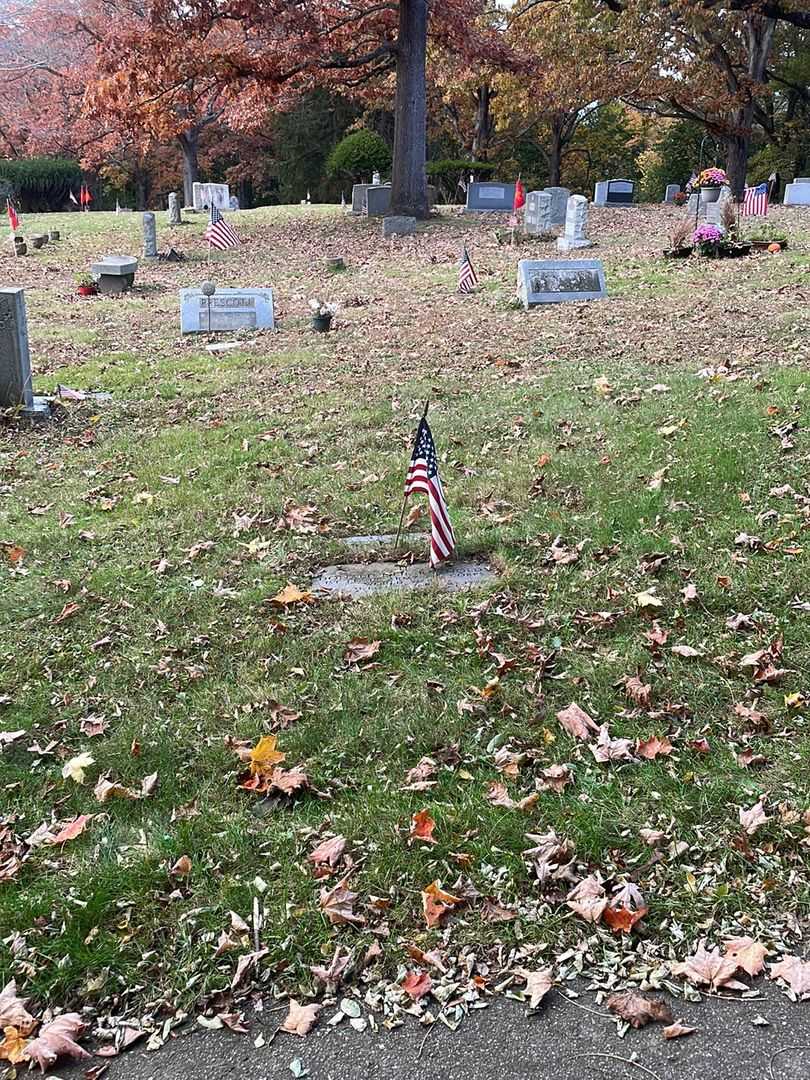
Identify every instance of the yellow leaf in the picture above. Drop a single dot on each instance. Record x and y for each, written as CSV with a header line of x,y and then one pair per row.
x,y
291,594
12,1047
264,755
74,769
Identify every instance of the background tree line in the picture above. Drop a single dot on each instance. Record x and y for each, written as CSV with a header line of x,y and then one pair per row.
x,y
147,96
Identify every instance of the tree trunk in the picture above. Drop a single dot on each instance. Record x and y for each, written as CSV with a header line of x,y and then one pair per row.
x,y
759,38
482,131
409,178
141,180
555,151
189,144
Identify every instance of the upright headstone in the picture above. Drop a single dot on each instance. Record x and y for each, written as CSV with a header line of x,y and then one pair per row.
x,y
671,192
175,217
713,213
614,193
548,281
207,195
378,200
559,203
233,203
359,197
398,225
537,218
491,196
149,236
693,203
576,225
797,193
16,390
202,312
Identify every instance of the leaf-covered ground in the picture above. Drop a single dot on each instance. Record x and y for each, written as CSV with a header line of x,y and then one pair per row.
x,y
637,472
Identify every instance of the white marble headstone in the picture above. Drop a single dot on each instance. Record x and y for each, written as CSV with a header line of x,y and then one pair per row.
x,y
207,195
576,225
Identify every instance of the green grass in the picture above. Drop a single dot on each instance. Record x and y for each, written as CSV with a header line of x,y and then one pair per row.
x,y
183,661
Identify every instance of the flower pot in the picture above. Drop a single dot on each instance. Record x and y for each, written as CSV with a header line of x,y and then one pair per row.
x,y
709,194
763,245
87,290
321,323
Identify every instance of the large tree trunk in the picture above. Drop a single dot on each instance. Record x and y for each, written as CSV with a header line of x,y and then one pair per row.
x,y
759,38
409,179
141,181
555,150
189,144
482,133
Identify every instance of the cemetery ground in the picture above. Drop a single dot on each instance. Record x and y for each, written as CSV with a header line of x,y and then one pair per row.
x,y
635,470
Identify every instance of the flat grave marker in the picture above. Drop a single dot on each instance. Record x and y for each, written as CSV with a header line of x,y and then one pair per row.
x,y
554,281
226,309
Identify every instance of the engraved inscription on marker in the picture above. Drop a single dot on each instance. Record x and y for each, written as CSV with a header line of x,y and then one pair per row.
x,y
227,309
554,281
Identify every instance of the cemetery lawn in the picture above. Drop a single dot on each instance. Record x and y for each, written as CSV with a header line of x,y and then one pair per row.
x,y
636,470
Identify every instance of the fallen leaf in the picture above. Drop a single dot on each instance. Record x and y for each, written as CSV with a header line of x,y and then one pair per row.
x,y
749,954
606,749
71,830
436,903
360,651
106,789
648,601
753,818
13,1012
328,852
290,595
301,1018
264,755
791,969
677,1030
75,768
334,973
588,899
416,984
637,691
148,785
182,868
653,747
709,968
422,826
685,651
576,722
56,1040
538,984
556,778
639,1009
12,1048
338,906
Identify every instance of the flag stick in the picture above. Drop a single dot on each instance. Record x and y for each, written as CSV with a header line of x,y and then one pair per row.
x,y
405,500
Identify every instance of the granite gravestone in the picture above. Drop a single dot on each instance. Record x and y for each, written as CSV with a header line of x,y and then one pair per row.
x,y
226,309
149,236
559,203
671,192
398,225
204,196
114,273
16,391
359,197
175,217
576,225
378,200
614,193
491,196
537,218
797,193
547,281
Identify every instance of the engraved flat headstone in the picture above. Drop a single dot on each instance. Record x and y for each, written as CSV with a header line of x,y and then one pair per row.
x,y
371,579
576,225
383,540
559,203
226,309
537,218
491,195
16,389
549,281
204,196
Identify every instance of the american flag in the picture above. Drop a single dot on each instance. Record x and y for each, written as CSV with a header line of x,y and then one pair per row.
x,y
423,475
219,234
467,277
755,203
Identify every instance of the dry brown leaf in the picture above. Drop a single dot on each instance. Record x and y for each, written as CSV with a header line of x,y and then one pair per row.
x,y
12,1048
328,851
639,1009
436,903
795,972
337,905
753,818
709,969
291,595
588,899
416,984
106,789
422,826
56,1040
13,1012
637,691
360,651
677,1030
556,778
653,747
606,749
748,954
182,868
71,829
538,984
576,722
301,1018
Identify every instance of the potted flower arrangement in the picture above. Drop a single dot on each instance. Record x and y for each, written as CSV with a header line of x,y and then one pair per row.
x,y
707,239
680,198
766,235
322,315
710,181
86,285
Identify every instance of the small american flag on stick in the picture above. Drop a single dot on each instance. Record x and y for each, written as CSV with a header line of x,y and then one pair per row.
x,y
467,277
219,233
423,475
755,202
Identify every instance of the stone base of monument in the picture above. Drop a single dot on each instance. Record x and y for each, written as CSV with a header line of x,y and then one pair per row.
x,y
115,284
358,580
38,410
115,274
567,243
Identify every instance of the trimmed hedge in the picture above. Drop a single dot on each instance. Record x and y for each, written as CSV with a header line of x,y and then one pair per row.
x,y
446,173
358,155
38,184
